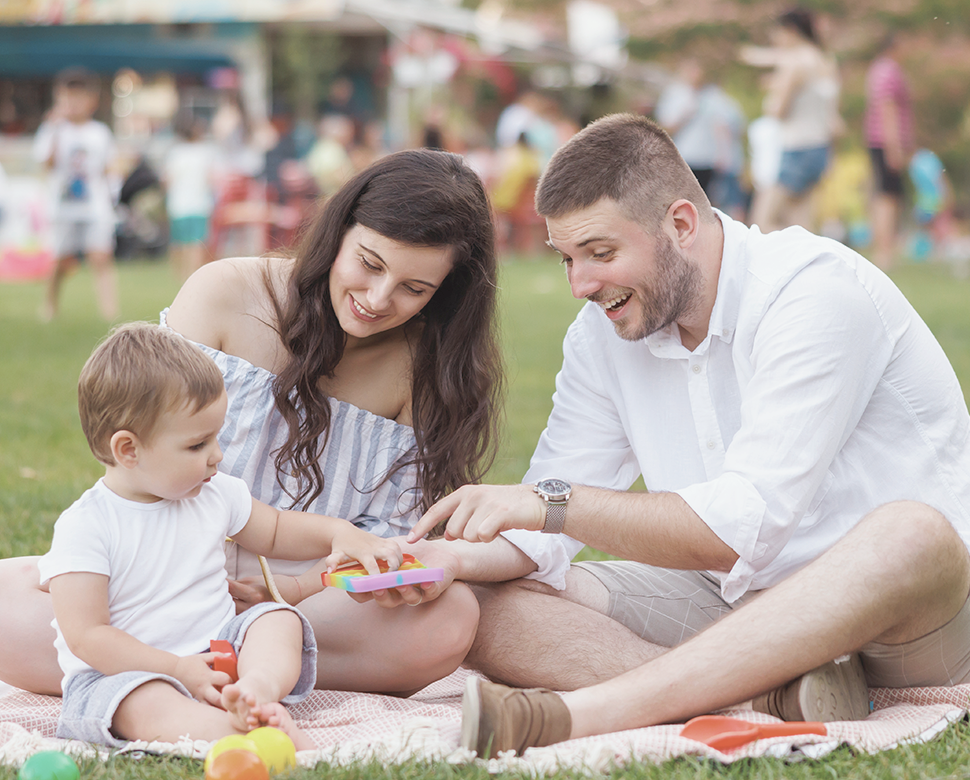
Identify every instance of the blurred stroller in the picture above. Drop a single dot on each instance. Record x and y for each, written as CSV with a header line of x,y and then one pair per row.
x,y
142,229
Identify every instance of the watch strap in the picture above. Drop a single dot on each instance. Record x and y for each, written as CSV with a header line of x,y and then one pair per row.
x,y
555,517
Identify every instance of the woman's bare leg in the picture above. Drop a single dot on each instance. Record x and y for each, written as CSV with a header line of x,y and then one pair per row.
x,y
362,647
766,211
801,210
365,647
27,656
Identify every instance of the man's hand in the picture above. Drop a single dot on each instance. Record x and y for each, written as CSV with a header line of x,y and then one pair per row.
x,y
203,682
479,513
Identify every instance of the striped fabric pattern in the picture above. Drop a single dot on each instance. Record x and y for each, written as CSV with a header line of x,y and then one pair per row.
x,y
361,449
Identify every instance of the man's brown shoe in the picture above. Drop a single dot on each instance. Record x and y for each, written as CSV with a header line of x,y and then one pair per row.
x,y
834,691
496,718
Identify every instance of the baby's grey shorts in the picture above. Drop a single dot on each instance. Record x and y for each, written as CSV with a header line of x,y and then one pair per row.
x,y
91,698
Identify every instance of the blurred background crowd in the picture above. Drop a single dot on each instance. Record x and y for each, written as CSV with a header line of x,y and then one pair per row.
x,y
214,129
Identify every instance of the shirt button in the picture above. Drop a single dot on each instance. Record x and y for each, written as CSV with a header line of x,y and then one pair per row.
x,y
711,444
696,368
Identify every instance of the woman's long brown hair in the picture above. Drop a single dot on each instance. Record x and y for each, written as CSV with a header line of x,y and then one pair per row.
x,y
422,198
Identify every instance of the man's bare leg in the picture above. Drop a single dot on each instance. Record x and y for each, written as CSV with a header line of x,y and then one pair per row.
x,y
571,643
900,574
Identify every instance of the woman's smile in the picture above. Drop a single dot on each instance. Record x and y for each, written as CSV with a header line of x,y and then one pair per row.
x,y
363,313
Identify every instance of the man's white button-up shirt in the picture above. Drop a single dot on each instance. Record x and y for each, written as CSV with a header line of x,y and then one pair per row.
x,y
818,395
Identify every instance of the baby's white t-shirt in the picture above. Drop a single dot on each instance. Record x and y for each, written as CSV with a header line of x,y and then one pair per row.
x,y
165,562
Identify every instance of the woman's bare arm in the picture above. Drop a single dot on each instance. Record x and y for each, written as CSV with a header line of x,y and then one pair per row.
x,y
225,305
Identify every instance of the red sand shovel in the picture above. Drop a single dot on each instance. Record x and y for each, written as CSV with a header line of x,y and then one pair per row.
x,y
723,733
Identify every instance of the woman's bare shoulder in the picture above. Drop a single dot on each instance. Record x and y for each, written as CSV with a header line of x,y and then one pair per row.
x,y
226,298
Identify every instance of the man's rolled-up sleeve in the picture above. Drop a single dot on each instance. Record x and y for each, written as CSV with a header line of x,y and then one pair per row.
x,y
733,508
551,553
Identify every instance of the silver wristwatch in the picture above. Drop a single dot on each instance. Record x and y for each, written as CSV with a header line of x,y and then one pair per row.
x,y
555,492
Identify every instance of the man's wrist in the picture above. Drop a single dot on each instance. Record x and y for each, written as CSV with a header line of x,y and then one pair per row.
x,y
555,493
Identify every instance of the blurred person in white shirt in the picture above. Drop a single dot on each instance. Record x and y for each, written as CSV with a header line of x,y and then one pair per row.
x,y
78,152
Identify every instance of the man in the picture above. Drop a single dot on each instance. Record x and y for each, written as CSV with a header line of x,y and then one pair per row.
x,y
806,448
888,126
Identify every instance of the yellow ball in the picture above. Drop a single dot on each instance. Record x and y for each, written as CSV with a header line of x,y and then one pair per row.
x,y
274,747
232,742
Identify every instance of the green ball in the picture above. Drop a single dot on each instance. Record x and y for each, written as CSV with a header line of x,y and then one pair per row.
x,y
49,765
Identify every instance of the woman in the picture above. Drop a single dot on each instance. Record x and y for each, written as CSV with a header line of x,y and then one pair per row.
x,y
363,380
803,95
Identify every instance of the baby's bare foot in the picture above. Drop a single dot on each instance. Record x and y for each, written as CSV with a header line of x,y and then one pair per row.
x,y
277,716
243,710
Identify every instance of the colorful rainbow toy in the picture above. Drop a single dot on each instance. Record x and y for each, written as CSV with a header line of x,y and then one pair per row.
x,y
354,578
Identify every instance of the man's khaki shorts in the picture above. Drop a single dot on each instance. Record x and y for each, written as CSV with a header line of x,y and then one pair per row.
x,y
666,607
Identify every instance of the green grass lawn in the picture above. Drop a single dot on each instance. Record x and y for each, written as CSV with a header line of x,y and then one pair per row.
x,y
45,464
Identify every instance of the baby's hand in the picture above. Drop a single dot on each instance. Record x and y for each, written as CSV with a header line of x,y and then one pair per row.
x,y
203,682
352,544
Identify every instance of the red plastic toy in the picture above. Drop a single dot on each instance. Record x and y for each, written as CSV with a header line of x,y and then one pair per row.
x,y
222,664
354,578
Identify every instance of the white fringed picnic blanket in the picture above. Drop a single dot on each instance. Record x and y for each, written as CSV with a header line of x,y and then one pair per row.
x,y
425,727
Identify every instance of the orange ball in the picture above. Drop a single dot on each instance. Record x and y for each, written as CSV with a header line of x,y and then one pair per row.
x,y
237,765
230,742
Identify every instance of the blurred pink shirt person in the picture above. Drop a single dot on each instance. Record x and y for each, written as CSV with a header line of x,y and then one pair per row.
x,y
885,82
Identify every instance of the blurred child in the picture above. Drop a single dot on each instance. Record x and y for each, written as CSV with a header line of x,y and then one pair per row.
x,y
518,227
329,160
189,176
136,567
78,151
932,206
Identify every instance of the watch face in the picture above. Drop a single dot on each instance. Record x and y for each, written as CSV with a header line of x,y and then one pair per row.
x,y
555,487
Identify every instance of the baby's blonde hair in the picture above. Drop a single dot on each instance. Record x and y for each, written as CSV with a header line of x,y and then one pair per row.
x,y
138,373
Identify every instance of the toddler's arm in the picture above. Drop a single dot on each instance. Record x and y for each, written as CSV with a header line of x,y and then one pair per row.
x,y
301,536
81,607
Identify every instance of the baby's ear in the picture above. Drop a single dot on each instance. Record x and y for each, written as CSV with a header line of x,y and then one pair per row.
x,y
124,448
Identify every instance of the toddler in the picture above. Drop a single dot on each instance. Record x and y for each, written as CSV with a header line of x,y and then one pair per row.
x,y
136,566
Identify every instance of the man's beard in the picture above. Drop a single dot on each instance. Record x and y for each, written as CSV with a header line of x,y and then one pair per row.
x,y
673,291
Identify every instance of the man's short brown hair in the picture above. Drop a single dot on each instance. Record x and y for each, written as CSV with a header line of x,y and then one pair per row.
x,y
139,372
625,158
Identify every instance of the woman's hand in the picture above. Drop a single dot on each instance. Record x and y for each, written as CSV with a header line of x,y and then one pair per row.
x,y
433,554
250,591
247,592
